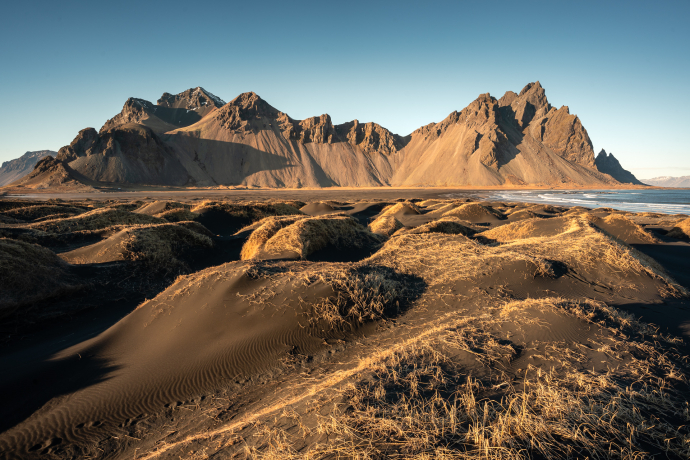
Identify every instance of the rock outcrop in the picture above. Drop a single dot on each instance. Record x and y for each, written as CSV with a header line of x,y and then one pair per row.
x,y
608,164
15,169
125,154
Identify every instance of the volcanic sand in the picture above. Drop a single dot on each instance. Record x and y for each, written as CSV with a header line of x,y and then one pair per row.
x,y
456,313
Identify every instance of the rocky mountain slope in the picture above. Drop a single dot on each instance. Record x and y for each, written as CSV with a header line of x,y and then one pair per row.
x,y
607,163
519,139
20,167
54,174
669,181
194,138
170,112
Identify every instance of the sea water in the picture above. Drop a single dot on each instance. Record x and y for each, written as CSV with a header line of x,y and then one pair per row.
x,y
659,201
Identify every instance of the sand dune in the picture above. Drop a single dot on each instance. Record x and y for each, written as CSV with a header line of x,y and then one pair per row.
x,y
341,328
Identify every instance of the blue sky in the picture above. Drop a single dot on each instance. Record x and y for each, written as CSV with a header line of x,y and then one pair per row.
x,y
622,67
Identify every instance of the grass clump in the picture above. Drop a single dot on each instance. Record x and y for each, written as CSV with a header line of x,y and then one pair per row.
x,y
263,231
419,401
160,248
250,210
403,208
95,220
32,213
29,274
681,230
385,225
305,236
448,225
474,212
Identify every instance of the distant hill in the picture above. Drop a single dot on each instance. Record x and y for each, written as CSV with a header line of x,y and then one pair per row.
x,y
668,181
195,139
20,167
608,164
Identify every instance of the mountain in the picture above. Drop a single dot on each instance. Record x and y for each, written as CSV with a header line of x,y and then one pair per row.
x,y
669,181
54,174
170,112
194,138
128,154
247,141
519,139
19,167
608,164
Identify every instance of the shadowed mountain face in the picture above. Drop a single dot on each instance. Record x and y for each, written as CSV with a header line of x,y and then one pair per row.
x,y
608,164
129,153
194,138
20,167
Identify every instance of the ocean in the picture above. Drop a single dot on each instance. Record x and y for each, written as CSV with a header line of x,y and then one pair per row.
x,y
659,201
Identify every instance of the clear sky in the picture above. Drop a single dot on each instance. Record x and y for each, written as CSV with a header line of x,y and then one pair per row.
x,y
622,67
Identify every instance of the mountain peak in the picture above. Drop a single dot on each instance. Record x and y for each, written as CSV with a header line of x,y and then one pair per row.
x,y
191,99
533,87
608,164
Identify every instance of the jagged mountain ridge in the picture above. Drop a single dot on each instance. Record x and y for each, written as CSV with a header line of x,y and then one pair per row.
x,y
169,113
15,169
516,140
608,164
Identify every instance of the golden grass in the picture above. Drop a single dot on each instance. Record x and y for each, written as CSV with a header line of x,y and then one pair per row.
x,y
681,230
158,247
30,273
418,402
177,215
628,228
94,220
473,211
304,236
406,207
29,213
448,225
252,210
385,225
264,230
581,246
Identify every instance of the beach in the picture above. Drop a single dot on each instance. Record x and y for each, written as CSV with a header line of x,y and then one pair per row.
x,y
330,323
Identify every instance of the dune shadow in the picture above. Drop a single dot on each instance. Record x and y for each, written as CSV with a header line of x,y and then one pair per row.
x,y
34,382
672,257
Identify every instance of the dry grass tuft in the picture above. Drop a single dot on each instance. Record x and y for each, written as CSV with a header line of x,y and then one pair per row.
x,y
581,247
95,220
251,210
474,212
304,236
448,225
418,402
31,213
29,274
406,207
264,230
359,294
385,225
159,248
681,230
177,215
